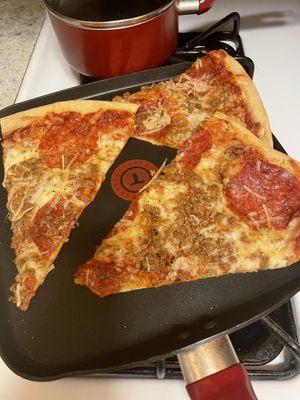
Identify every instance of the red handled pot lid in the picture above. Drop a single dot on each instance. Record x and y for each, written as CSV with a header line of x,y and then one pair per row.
x,y
106,13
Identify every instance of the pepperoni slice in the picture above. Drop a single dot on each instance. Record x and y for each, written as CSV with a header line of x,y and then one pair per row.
x,y
99,277
85,185
24,288
68,141
195,147
264,195
209,68
86,192
52,224
112,119
27,134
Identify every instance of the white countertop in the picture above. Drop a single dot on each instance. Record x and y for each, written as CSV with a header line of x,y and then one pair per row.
x,y
20,23
270,30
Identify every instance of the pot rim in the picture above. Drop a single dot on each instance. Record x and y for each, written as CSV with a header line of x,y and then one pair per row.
x,y
121,23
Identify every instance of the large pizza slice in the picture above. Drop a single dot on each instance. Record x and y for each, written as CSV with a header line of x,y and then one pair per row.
x,y
55,159
226,204
170,112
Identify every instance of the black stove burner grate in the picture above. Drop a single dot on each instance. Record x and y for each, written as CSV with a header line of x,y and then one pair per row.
x,y
259,343
222,35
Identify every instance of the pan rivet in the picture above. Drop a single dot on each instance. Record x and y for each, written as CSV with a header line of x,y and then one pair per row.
x,y
183,335
210,325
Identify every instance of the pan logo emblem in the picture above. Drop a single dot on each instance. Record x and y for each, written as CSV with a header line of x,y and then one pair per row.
x,y
130,176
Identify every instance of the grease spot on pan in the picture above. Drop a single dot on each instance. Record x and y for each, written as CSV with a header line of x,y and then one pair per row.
x,y
183,335
210,325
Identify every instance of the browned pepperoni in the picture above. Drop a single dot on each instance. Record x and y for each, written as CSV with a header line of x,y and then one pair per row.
x,y
264,195
52,224
99,277
30,283
193,148
86,192
68,141
30,134
112,119
211,68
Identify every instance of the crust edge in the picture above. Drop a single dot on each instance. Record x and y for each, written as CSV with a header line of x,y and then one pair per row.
x,y
25,118
271,154
250,94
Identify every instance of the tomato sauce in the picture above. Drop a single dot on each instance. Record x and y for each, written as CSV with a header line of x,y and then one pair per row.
x,y
195,147
99,277
133,209
70,141
30,283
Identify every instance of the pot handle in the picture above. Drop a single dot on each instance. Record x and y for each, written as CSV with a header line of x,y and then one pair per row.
x,y
193,6
212,372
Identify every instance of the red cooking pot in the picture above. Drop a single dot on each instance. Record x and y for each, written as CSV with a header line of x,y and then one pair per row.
x,y
105,38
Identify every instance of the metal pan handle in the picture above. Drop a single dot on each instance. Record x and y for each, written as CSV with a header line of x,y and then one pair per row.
x,y
212,372
193,6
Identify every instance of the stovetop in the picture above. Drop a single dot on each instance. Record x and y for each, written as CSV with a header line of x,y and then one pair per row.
x,y
269,30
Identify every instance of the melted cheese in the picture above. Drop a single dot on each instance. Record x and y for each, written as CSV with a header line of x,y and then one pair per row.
x,y
50,185
18,154
190,85
158,119
219,241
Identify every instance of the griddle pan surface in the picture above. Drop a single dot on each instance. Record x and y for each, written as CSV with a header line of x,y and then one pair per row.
x,y
68,331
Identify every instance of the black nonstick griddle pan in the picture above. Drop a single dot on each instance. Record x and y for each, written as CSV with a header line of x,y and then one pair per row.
x,y
69,331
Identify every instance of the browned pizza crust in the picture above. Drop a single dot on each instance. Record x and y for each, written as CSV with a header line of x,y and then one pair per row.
x,y
250,95
25,118
272,155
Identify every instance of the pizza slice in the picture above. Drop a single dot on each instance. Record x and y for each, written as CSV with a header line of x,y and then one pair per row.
x,y
55,159
226,204
170,112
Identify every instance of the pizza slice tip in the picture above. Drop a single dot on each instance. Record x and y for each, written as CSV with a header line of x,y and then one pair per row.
x,y
55,159
172,111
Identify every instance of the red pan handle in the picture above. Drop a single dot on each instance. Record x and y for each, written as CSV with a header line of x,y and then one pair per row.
x,y
230,384
212,372
193,6
204,5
